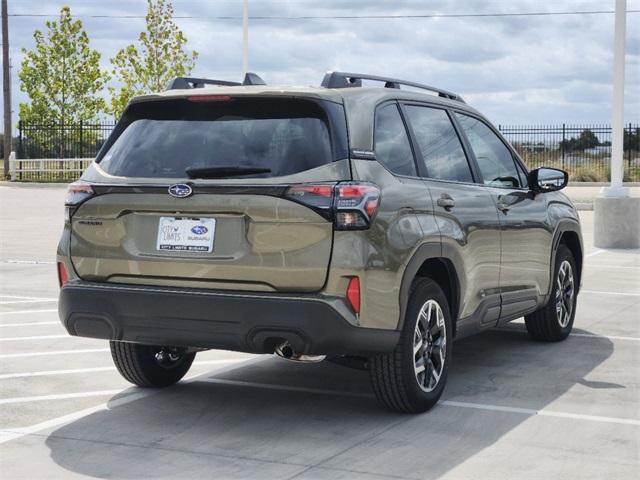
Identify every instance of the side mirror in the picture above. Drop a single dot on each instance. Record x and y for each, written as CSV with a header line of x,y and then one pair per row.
x,y
542,180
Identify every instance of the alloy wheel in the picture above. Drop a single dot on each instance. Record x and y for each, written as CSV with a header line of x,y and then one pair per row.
x,y
429,345
564,293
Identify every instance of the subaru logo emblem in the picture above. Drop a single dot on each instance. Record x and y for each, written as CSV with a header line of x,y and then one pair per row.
x,y
199,229
180,190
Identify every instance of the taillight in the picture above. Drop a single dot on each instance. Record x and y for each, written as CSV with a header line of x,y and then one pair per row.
x,y
353,294
351,206
63,277
316,195
77,192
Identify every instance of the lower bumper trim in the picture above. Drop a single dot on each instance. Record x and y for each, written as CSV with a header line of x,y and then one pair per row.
x,y
253,323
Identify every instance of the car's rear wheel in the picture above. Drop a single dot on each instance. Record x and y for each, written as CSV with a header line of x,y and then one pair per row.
x,y
554,322
150,365
411,379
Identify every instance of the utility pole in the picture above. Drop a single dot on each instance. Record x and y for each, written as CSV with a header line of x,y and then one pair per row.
x,y
245,36
6,87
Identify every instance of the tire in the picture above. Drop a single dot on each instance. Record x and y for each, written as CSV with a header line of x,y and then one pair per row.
x,y
150,366
394,375
554,321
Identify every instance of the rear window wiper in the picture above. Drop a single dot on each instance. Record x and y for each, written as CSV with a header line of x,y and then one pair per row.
x,y
224,171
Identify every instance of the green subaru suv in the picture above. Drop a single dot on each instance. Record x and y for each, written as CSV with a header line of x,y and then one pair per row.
x,y
370,225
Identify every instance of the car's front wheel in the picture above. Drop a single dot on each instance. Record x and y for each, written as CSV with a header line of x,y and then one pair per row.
x,y
553,322
150,365
411,379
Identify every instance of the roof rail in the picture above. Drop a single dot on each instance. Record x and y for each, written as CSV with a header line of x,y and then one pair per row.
x,y
179,83
346,80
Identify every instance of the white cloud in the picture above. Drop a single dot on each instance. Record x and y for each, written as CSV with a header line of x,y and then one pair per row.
x,y
549,69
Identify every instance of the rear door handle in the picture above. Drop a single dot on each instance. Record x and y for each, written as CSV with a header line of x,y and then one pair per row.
x,y
446,202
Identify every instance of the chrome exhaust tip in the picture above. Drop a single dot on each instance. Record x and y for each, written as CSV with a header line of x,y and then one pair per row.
x,y
286,351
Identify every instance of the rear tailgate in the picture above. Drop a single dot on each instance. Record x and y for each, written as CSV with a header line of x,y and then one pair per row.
x,y
257,241
239,233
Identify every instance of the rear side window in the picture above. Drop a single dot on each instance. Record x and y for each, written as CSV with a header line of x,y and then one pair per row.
x,y
496,163
164,139
392,145
440,147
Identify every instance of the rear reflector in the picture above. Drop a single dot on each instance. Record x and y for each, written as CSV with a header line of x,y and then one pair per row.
x,y
63,277
353,294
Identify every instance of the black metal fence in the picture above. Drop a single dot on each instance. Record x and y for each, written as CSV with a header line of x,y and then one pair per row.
x,y
81,140
583,150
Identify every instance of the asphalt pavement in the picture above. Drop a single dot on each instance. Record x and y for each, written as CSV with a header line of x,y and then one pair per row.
x,y
513,408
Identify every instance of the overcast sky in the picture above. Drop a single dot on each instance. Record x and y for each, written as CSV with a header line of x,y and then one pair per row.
x,y
515,69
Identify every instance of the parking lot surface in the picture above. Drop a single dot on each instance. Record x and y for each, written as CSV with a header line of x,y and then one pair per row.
x,y
513,408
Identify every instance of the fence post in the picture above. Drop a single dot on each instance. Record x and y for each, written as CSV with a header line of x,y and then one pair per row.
x,y
564,136
12,166
629,148
81,140
20,147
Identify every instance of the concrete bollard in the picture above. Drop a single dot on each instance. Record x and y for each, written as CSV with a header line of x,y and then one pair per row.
x,y
616,222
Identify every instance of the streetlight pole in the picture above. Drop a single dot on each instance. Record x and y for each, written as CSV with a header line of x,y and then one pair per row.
x,y
617,122
616,212
245,36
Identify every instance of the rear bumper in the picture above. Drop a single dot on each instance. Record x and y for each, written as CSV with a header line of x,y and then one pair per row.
x,y
240,321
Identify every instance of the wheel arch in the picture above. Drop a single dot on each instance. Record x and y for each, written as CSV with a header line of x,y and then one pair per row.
x,y
429,261
568,233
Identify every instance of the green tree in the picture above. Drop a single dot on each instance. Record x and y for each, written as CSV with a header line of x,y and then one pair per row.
x,y
159,57
587,139
62,75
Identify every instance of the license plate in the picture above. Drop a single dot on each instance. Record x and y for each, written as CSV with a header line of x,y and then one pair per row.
x,y
186,234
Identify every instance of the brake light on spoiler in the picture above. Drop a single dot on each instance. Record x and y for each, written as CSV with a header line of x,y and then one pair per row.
x,y
351,206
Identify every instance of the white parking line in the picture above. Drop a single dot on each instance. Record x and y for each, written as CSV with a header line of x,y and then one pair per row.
x,y
543,412
39,300
60,396
601,292
37,337
21,297
30,262
13,433
610,337
18,312
55,352
29,324
448,403
594,253
575,334
44,373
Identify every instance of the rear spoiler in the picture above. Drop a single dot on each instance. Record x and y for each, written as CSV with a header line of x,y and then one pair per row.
x,y
185,83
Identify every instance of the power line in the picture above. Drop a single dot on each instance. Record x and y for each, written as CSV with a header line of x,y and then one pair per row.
x,y
341,17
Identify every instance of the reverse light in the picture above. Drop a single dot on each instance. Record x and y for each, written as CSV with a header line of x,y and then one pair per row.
x,y
63,276
356,204
353,294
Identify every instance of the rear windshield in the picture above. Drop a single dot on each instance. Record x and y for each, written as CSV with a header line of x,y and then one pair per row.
x,y
164,139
